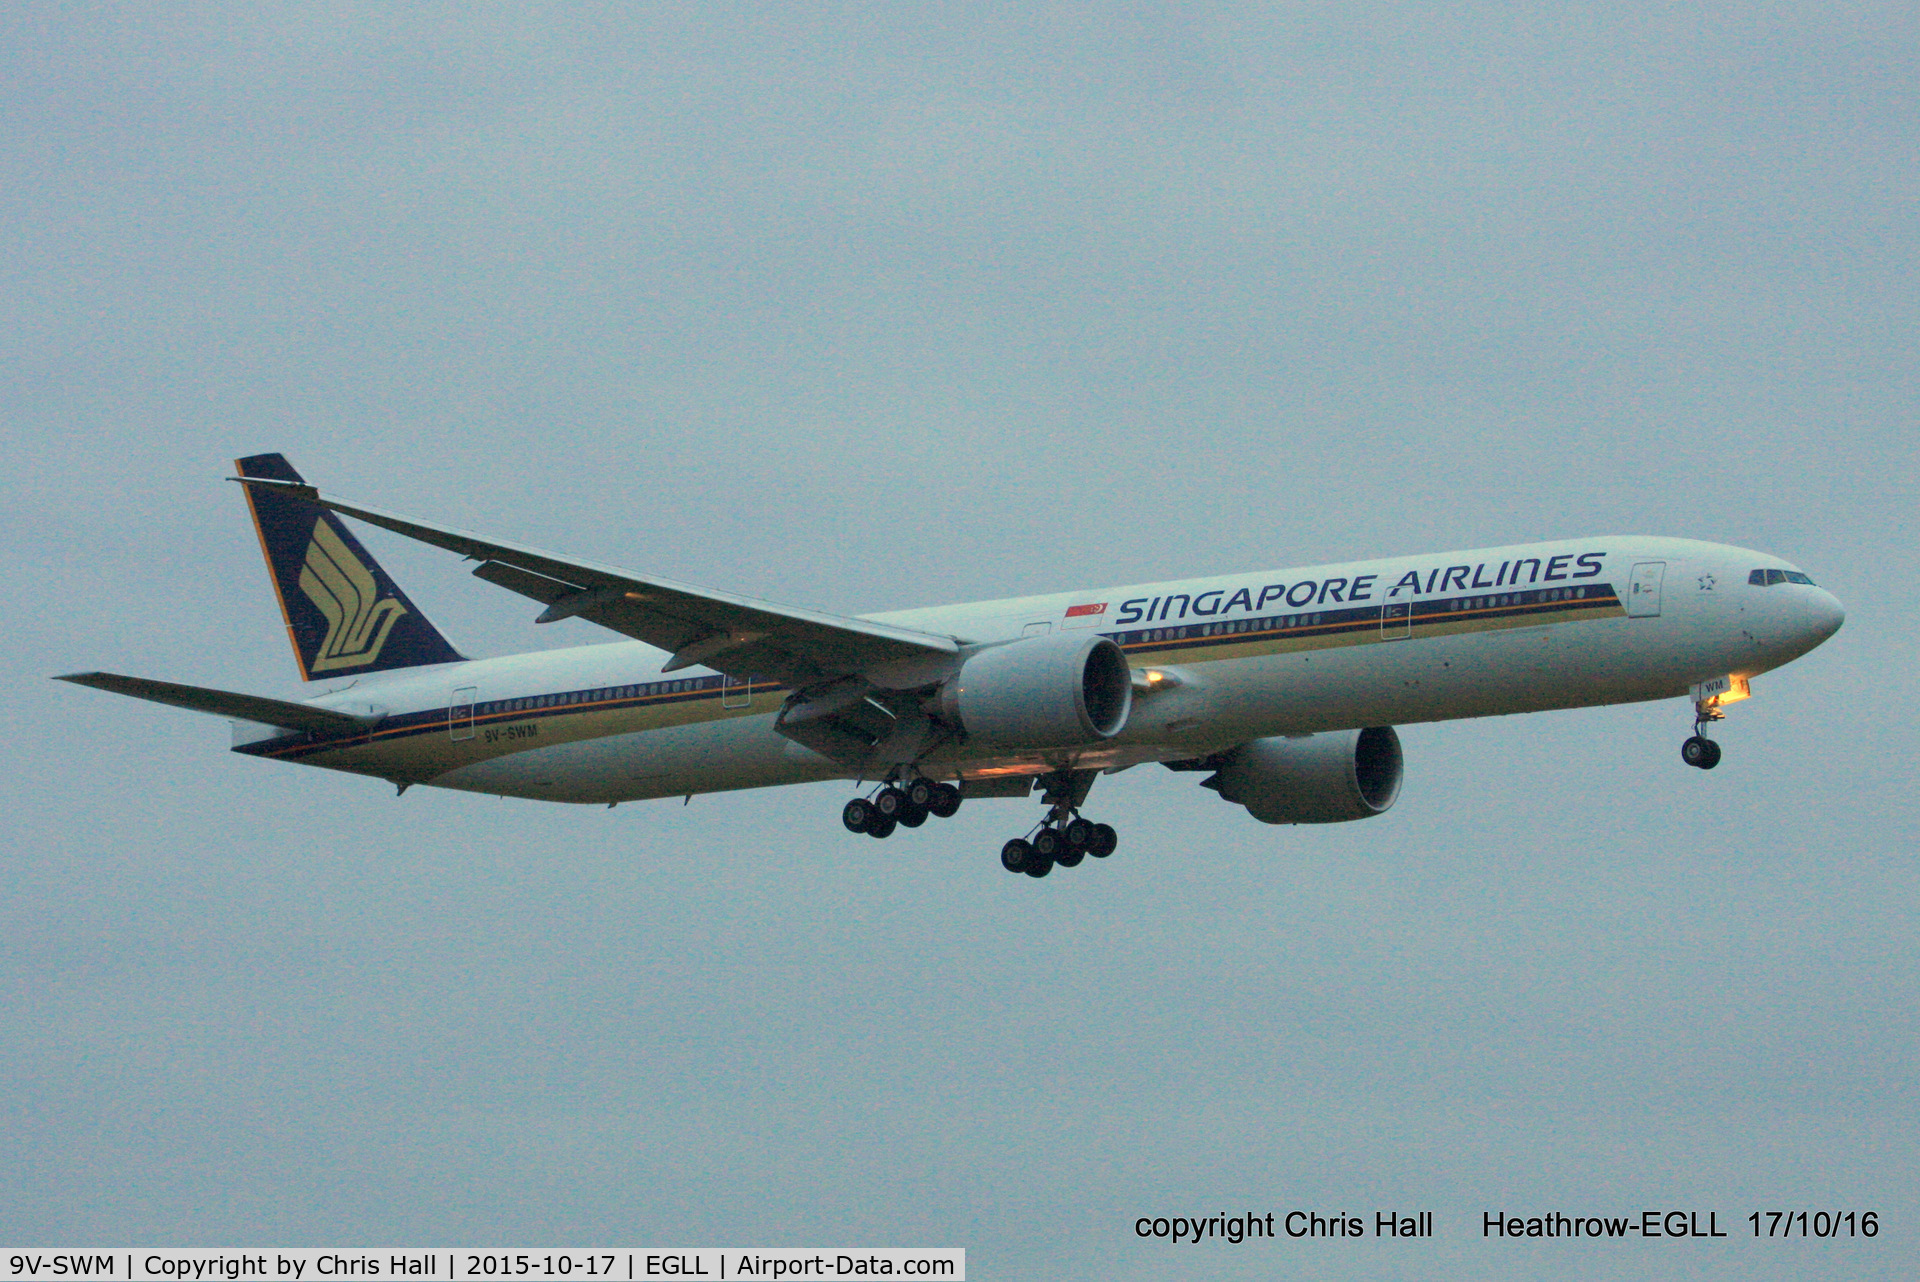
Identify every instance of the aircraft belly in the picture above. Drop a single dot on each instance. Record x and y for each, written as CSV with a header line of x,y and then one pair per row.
x,y
672,761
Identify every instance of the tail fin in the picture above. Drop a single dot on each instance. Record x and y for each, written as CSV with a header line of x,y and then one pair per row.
x,y
344,615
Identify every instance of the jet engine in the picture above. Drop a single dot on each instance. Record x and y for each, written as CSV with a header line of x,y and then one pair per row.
x,y
1315,779
1057,691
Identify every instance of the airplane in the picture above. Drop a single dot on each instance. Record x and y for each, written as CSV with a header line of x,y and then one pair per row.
x,y
1281,687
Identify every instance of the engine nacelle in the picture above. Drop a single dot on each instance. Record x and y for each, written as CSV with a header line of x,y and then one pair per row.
x,y
1319,779
1057,691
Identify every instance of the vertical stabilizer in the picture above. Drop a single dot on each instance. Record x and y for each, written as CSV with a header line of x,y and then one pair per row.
x,y
344,615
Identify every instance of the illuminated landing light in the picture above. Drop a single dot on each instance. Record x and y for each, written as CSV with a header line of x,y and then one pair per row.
x,y
1710,696
1148,680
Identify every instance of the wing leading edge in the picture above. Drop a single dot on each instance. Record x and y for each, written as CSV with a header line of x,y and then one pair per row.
x,y
737,635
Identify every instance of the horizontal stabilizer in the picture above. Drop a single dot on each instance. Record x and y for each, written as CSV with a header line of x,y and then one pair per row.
x,y
221,703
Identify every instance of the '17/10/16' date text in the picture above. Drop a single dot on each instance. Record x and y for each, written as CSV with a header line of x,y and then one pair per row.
x,y
1815,1223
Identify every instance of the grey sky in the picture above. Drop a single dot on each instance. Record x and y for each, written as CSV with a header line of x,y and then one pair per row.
x,y
867,309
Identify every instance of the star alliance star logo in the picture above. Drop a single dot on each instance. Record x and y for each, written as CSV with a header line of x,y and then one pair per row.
x,y
1706,583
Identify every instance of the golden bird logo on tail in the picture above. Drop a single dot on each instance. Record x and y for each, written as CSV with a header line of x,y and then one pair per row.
x,y
343,590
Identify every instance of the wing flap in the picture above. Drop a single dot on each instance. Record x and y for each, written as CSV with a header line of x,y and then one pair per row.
x,y
223,703
538,586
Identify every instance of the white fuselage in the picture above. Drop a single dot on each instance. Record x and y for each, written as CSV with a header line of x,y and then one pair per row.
x,y
1379,642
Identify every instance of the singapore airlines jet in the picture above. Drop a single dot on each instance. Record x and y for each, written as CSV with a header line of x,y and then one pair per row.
x,y
1281,687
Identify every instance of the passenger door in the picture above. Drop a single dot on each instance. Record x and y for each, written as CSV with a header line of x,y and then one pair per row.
x,y
1643,592
460,713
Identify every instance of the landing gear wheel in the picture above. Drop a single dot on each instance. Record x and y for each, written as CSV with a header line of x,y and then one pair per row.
x,y
1046,844
890,802
1105,839
1038,867
858,815
1015,855
1078,834
1070,856
946,800
912,816
1701,752
882,826
920,794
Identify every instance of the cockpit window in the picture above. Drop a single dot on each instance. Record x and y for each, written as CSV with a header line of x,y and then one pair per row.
x,y
1767,578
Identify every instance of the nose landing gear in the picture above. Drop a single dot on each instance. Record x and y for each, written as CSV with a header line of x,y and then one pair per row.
x,y
1699,751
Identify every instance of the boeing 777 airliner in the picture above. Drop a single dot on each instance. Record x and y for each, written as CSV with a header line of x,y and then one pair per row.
x,y
1282,687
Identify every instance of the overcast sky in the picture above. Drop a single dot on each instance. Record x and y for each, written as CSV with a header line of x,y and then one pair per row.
x,y
865,309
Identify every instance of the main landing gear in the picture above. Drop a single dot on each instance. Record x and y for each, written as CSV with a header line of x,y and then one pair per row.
x,y
905,803
1699,751
1064,837
1052,842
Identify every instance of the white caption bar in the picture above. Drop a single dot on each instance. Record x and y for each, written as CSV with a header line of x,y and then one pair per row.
x,y
456,1264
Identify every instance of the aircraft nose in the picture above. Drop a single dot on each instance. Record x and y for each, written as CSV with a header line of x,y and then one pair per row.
x,y
1825,614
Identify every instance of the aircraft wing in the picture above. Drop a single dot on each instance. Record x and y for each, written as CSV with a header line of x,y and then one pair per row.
x,y
738,635
224,703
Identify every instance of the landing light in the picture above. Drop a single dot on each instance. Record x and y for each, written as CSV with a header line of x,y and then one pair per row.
x,y
1721,691
1151,679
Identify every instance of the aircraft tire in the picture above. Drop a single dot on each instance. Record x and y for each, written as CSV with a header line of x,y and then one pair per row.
x,y
1015,855
857,815
920,794
1039,867
1105,840
1046,843
912,816
1713,756
1070,856
946,801
1699,752
1077,834
882,826
890,802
